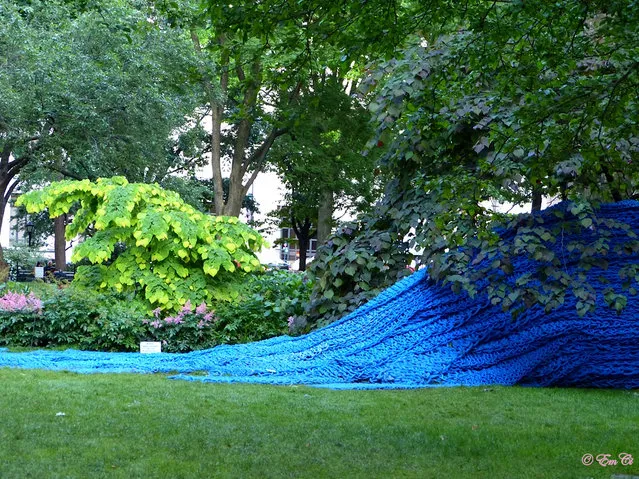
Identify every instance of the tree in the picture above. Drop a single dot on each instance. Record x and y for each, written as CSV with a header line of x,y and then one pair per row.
x,y
320,160
143,238
498,100
87,91
518,100
257,57
243,92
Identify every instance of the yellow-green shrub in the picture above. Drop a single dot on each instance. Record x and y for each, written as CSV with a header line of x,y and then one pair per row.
x,y
171,254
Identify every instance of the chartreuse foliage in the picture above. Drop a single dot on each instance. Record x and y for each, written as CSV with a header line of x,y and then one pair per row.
x,y
171,254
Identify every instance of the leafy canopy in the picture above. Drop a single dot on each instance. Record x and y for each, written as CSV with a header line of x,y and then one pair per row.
x,y
507,101
171,254
521,100
93,90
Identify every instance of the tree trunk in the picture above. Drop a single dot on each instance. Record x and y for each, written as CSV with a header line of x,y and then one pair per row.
x,y
235,197
612,184
8,170
60,243
217,113
303,233
4,266
536,200
241,165
325,217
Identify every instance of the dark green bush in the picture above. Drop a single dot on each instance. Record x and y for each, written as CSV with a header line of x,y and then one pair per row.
x,y
267,306
79,317
108,322
358,261
22,328
76,317
117,326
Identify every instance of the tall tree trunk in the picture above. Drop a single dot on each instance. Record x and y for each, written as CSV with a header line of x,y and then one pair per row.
x,y
217,113
8,170
325,217
303,233
59,230
60,243
241,165
217,116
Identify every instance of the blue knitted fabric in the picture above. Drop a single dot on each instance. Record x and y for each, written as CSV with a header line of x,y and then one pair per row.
x,y
417,334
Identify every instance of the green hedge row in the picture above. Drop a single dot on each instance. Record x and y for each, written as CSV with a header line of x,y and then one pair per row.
x,y
81,318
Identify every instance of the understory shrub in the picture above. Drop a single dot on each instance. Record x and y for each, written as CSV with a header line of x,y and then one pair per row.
x,y
79,317
73,317
267,306
359,260
190,329
20,319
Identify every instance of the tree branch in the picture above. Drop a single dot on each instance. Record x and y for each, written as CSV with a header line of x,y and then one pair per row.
x,y
65,172
259,155
9,192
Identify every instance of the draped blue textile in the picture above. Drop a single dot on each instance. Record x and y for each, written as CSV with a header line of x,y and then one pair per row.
x,y
418,334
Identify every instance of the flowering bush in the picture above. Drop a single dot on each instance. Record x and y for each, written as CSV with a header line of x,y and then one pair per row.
x,y
20,302
268,305
72,316
188,330
20,320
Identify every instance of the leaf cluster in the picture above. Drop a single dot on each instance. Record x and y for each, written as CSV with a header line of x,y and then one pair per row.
x,y
513,102
359,260
172,252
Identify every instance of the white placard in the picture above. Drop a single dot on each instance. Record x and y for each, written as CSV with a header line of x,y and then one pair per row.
x,y
148,347
39,272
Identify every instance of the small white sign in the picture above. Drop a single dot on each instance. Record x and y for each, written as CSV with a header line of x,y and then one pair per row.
x,y
148,347
39,272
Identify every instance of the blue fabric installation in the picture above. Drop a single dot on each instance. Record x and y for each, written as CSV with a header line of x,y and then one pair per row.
x,y
417,334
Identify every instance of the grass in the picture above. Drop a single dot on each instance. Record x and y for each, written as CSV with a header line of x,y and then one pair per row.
x,y
146,426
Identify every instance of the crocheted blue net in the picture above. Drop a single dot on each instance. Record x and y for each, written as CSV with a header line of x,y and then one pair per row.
x,y
417,334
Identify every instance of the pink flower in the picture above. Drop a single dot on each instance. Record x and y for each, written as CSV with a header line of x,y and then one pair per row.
x,y
187,307
156,312
201,324
208,317
20,302
291,321
201,309
156,324
174,320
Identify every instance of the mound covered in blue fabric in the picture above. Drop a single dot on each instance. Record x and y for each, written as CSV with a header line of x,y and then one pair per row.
x,y
417,334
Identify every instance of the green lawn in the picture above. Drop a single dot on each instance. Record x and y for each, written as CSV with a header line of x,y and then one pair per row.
x,y
129,426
